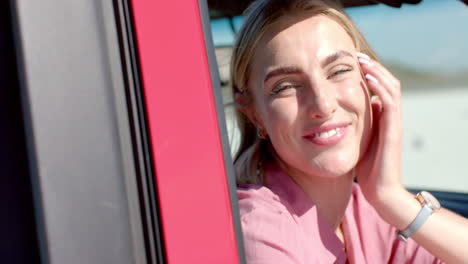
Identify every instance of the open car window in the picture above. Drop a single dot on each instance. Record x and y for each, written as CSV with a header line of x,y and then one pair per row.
x,y
424,45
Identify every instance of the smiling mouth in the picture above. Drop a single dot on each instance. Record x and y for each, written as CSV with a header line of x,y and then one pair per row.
x,y
327,135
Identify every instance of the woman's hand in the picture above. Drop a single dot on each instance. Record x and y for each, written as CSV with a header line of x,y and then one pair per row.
x,y
379,170
444,234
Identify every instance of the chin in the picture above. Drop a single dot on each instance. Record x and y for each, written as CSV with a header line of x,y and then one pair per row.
x,y
328,164
333,167
334,172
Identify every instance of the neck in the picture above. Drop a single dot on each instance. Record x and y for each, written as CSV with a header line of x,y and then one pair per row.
x,y
330,195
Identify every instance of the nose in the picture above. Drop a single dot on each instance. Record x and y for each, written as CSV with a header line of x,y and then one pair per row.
x,y
322,103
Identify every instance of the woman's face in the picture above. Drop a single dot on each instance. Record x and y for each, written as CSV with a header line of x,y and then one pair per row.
x,y
310,97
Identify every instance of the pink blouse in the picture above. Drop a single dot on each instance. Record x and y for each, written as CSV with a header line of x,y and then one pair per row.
x,y
281,226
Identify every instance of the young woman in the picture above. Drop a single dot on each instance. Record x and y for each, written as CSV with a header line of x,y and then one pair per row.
x,y
302,77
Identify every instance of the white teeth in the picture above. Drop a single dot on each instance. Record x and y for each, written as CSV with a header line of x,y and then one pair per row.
x,y
327,134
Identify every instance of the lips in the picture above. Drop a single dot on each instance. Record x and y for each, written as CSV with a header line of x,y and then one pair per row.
x,y
329,134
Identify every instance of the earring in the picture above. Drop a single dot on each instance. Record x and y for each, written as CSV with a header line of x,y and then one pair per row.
x,y
261,134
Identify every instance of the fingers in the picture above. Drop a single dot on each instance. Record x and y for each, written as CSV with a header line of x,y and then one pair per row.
x,y
363,58
380,81
380,72
379,88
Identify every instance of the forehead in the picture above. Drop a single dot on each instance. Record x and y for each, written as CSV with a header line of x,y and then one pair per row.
x,y
301,41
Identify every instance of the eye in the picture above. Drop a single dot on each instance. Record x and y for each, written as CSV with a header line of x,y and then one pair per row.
x,y
282,88
340,71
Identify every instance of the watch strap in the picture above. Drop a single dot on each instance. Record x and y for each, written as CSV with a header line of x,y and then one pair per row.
x,y
420,219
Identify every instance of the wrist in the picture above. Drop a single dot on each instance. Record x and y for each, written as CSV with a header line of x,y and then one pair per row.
x,y
397,207
383,197
429,205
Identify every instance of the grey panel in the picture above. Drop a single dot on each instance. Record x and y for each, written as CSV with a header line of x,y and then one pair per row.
x,y
78,133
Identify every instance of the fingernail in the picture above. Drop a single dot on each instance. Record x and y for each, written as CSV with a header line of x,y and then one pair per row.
x,y
371,78
364,61
362,55
374,97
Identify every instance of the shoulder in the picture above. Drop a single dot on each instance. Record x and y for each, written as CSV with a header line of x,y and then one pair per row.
x,y
270,231
258,205
254,197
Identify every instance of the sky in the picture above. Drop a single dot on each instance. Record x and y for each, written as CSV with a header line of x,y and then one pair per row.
x,y
430,36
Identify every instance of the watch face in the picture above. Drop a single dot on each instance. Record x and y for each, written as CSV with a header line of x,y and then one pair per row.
x,y
430,200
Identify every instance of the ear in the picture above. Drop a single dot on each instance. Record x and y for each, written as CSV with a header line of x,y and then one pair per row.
x,y
245,104
242,99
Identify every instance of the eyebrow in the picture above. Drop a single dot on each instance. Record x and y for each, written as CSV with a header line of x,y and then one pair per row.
x,y
295,70
282,71
335,56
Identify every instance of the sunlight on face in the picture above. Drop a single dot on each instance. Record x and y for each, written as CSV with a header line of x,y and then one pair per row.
x,y
310,96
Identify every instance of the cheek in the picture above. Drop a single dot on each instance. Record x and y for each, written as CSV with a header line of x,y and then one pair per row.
x,y
280,115
363,108
367,126
355,98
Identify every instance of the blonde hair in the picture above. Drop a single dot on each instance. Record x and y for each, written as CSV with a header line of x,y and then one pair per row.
x,y
260,17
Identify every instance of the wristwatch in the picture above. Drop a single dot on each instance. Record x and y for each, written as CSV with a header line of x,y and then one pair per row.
x,y
430,205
